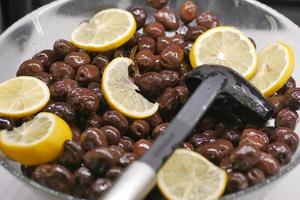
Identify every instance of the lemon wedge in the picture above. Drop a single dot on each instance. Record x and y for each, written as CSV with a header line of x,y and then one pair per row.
x,y
225,46
108,29
23,96
275,66
37,141
120,92
189,176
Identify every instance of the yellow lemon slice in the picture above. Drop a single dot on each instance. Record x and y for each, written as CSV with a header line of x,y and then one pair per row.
x,y
120,92
189,176
275,66
23,96
108,29
37,141
225,46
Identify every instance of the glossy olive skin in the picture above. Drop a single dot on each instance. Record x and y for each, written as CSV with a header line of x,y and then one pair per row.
x,y
84,178
287,136
45,77
151,83
232,135
281,152
94,120
244,157
63,47
216,151
127,158
139,129
77,59
236,182
145,59
208,20
87,73
140,15
268,164
158,130
170,78
98,188
61,109
278,102
6,123
60,179
99,160
71,155
254,137
287,118
27,170
168,101
183,92
194,32
146,42
255,176
30,68
293,99
126,143
154,120
171,57
290,84
93,137
167,17
61,70
117,151
188,11
198,140
46,57
155,30
101,61
116,119
60,89
112,134
141,146
83,100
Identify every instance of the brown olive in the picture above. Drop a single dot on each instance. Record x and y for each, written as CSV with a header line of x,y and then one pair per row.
x,y
63,47
208,20
168,101
112,134
255,176
60,89
146,42
30,67
254,137
46,57
93,137
71,155
183,92
155,30
114,173
187,146
98,188
285,135
99,160
61,70
244,157
236,182
226,164
157,3
286,118
171,57
198,140
139,129
6,123
140,15
141,146
158,130
77,59
281,152
84,178
170,78
188,11
116,119
154,120
87,73
167,17
268,164
61,109
126,143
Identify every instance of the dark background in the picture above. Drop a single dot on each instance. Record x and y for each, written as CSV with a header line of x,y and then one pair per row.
x,y
12,10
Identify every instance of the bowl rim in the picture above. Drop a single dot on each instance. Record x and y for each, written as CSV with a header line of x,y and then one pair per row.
x,y
35,185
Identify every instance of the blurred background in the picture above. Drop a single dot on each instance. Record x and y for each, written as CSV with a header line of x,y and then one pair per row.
x,y
12,10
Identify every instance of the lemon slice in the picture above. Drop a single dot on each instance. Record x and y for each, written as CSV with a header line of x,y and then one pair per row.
x,y
108,29
120,92
225,46
23,96
189,176
37,141
275,66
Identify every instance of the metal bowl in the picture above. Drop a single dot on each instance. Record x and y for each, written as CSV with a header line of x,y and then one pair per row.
x,y
39,30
